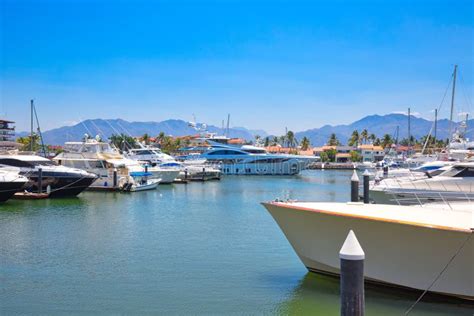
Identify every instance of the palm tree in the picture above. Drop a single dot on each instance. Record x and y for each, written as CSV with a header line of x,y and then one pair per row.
x,y
160,138
292,142
275,140
354,140
305,143
372,138
282,140
364,135
146,139
333,141
387,141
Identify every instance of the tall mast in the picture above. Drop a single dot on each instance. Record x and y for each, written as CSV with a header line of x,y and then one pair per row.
x,y
452,102
409,131
31,127
228,120
435,124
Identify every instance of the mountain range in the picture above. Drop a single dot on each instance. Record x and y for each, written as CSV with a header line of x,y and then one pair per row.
x,y
376,124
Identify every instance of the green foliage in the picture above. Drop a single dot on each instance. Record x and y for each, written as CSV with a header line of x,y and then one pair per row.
x,y
355,156
123,142
305,143
333,141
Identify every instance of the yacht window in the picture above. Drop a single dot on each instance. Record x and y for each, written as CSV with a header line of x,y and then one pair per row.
x,y
15,163
143,152
226,152
42,163
466,173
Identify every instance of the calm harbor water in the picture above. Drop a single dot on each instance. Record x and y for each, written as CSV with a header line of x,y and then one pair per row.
x,y
200,248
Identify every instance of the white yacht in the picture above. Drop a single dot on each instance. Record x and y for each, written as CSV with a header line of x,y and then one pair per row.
x,y
186,170
406,246
454,181
112,168
10,183
252,160
60,181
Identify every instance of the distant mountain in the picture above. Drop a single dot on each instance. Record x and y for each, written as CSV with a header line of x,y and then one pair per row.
x,y
106,128
376,124
380,125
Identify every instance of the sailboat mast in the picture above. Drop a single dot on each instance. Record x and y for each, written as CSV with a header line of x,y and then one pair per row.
x,y
31,127
452,102
409,131
435,124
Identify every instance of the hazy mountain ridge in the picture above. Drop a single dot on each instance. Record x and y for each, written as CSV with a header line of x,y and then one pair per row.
x,y
377,124
380,125
106,127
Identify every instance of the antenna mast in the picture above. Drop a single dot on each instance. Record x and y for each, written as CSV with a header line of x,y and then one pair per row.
x,y
452,103
31,128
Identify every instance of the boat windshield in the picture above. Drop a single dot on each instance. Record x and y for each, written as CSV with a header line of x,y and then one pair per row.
x,y
25,163
459,172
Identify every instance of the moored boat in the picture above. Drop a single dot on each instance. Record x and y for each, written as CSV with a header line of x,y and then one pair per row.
x,y
405,246
10,183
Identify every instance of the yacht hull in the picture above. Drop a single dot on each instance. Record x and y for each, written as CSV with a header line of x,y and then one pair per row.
x,y
167,176
61,185
396,254
8,189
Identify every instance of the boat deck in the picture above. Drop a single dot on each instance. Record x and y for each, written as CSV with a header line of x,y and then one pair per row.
x,y
460,218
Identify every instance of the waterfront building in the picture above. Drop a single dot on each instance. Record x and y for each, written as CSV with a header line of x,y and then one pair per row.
x,y
7,135
371,153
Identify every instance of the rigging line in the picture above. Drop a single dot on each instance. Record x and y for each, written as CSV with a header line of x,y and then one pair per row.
x,y
118,132
85,126
445,93
441,272
98,129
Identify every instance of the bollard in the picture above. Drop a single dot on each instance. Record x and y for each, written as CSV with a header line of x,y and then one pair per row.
x,y
48,189
146,168
203,174
115,177
366,186
185,174
352,258
40,180
385,171
354,187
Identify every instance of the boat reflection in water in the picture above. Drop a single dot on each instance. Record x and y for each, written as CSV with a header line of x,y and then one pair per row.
x,y
318,294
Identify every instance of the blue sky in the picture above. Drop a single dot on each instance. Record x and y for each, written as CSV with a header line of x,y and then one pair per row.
x,y
270,64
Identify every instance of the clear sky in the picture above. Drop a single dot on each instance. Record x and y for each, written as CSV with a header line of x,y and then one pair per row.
x,y
270,64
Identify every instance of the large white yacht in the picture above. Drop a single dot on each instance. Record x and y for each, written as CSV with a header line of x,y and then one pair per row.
x,y
191,169
252,160
10,183
105,161
406,246
58,180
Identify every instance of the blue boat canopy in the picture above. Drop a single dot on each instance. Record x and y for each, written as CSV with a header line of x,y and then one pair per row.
x,y
140,174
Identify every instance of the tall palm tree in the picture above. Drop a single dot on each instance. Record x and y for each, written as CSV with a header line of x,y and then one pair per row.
x,y
372,137
354,140
292,141
364,135
305,143
275,140
333,141
146,139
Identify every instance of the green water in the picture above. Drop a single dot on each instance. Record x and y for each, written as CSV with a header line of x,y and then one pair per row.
x,y
200,248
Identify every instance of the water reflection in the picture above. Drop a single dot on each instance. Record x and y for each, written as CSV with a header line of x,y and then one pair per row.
x,y
318,294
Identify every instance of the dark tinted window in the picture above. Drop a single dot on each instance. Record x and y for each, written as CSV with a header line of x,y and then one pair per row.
x,y
15,163
466,173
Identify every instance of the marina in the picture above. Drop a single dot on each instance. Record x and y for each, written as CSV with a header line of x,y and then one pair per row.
x,y
127,253
236,158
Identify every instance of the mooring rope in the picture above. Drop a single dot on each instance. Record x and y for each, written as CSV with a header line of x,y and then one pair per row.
x,y
441,272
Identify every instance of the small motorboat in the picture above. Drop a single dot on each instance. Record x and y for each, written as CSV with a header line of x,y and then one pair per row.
x,y
140,182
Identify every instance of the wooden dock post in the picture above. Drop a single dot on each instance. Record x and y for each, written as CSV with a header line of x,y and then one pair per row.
x,y
354,187
352,258
40,180
385,171
115,178
366,181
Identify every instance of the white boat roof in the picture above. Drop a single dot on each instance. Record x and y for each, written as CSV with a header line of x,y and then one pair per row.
x,y
24,157
460,218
